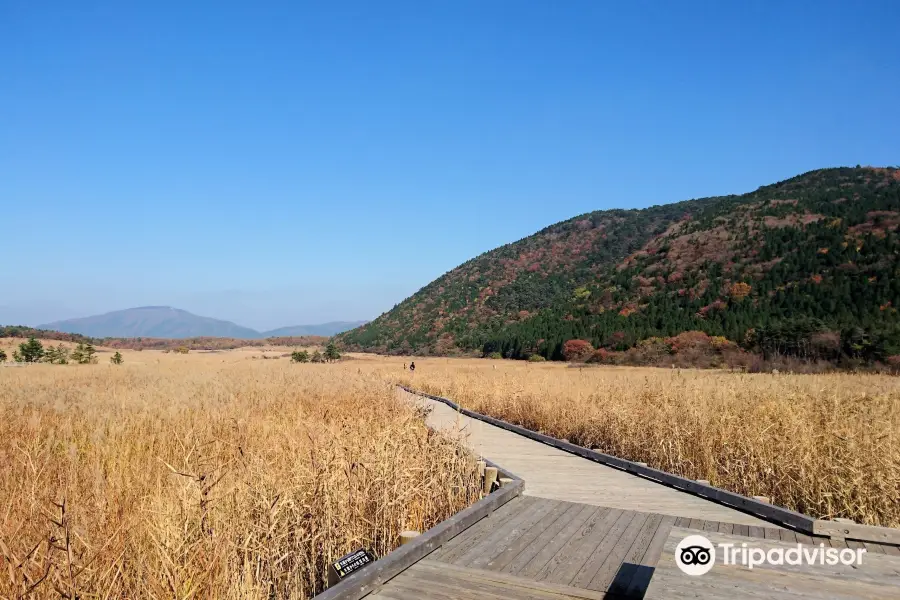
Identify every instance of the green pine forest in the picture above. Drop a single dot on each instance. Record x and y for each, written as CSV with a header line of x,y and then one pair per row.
x,y
806,267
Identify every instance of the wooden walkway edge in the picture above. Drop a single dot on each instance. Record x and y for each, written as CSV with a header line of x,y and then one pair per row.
x,y
389,566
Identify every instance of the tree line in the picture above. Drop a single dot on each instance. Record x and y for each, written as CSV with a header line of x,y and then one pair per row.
x,y
331,354
33,351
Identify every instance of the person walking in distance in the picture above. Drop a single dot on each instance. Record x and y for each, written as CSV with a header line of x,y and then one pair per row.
x,y
412,366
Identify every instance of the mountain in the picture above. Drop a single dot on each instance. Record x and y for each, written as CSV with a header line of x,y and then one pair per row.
x,y
324,329
154,322
807,262
173,323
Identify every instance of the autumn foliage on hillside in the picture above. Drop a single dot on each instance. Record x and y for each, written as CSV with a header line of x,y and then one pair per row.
x,y
687,349
775,271
575,350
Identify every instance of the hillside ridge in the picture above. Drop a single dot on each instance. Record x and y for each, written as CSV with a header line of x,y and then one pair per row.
x,y
817,251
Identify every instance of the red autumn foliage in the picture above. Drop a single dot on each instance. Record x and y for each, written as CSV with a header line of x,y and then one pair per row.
x,y
893,363
717,305
577,350
600,355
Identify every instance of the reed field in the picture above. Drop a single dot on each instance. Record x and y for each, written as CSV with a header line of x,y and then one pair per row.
x,y
825,445
238,474
216,475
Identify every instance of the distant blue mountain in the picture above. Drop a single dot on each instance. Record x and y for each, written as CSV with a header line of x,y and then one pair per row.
x,y
326,329
174,323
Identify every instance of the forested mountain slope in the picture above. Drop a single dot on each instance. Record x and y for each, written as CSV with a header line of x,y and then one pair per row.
x,y
815,255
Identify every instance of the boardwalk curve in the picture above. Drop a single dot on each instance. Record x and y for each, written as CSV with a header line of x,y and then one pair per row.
x,y
579,529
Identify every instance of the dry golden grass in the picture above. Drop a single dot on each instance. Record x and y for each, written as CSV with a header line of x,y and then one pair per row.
x,y
825,445
208,476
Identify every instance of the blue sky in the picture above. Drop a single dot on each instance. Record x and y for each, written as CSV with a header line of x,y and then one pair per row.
x,y
294,162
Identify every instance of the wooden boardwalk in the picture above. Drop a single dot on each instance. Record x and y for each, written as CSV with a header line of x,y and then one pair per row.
x,y
536,548
553,473
587,531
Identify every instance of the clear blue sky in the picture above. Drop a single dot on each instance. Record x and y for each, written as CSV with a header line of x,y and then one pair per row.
x,y
294,162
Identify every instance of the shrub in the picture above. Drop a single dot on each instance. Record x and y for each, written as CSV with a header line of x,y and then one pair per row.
x,y
317,357
57,356
84,354
495,355
116,358
893,363
577,350
600,355
536,358
649,351
300,356
607,357
2,356
31,351
331,352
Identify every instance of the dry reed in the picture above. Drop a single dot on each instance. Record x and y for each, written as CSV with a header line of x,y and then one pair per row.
x,y
201,477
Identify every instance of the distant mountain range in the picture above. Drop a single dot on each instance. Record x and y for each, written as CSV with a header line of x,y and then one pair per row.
x,y
174,323
324,329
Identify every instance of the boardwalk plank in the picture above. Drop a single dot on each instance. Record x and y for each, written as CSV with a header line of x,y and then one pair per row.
x,y
618,580
743,530
726,528
508,534
502,560
788,536
757,532
643,574
595,561
602,579
465,540
524,557
873,547
496,534
621,528
551,546
565,572
514,586
461,543
588,530
433,586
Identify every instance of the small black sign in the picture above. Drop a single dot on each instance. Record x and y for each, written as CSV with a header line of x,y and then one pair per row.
x,y
349,564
